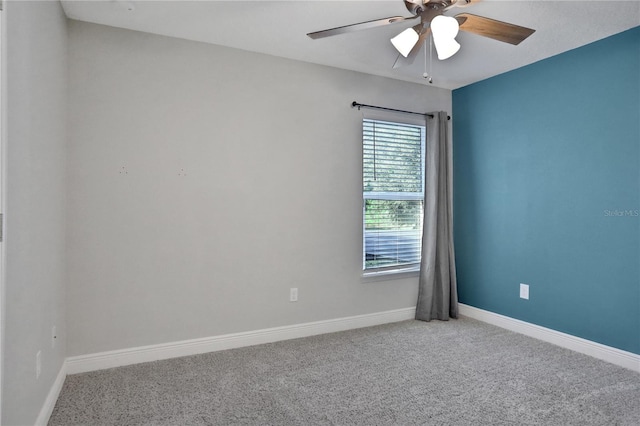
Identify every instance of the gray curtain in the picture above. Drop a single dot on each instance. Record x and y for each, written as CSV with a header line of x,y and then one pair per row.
x,y
437,294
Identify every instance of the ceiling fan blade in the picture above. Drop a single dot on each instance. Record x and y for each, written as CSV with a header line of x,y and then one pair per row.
x,y
360,26
497,30
401,61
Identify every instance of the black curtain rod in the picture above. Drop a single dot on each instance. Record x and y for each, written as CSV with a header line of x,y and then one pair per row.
x,y
356,104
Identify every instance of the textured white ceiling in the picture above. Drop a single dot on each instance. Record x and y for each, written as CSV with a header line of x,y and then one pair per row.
x,y
279,28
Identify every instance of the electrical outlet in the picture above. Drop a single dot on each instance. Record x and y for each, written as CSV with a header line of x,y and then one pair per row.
x,y
38,364
293,294
524,291
54,336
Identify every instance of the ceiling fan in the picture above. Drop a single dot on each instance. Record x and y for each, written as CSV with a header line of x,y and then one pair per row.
x,y
443,28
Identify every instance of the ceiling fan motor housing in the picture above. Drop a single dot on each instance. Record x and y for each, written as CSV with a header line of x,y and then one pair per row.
x,y
414,6
417,7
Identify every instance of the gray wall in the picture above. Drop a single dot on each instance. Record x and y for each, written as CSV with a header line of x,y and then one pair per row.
x,y
36,101
204,182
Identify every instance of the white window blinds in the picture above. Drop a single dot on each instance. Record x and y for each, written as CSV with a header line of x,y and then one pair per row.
x,y
393,194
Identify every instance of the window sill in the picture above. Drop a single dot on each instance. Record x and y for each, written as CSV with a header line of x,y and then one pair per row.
x,y
394,274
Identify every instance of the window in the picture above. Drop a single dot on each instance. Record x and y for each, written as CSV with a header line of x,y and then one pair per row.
x,y
393,195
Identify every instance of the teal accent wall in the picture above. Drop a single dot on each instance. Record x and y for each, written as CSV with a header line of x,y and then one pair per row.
x,y
547,192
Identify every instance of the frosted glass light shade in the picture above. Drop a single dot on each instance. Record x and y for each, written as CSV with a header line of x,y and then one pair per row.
x,y
444,30
446,49
405,41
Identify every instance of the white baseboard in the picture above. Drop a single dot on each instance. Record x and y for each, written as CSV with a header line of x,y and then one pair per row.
x,y
606,353
118,358
52,397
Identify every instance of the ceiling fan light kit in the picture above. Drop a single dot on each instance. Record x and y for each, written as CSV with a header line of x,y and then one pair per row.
x,y
445,30
405,41
446,48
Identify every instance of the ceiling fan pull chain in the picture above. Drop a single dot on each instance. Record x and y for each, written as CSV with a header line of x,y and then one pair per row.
x,y
427,75
430,56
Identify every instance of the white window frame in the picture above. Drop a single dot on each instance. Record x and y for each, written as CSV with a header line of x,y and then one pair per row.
x,y
394,270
